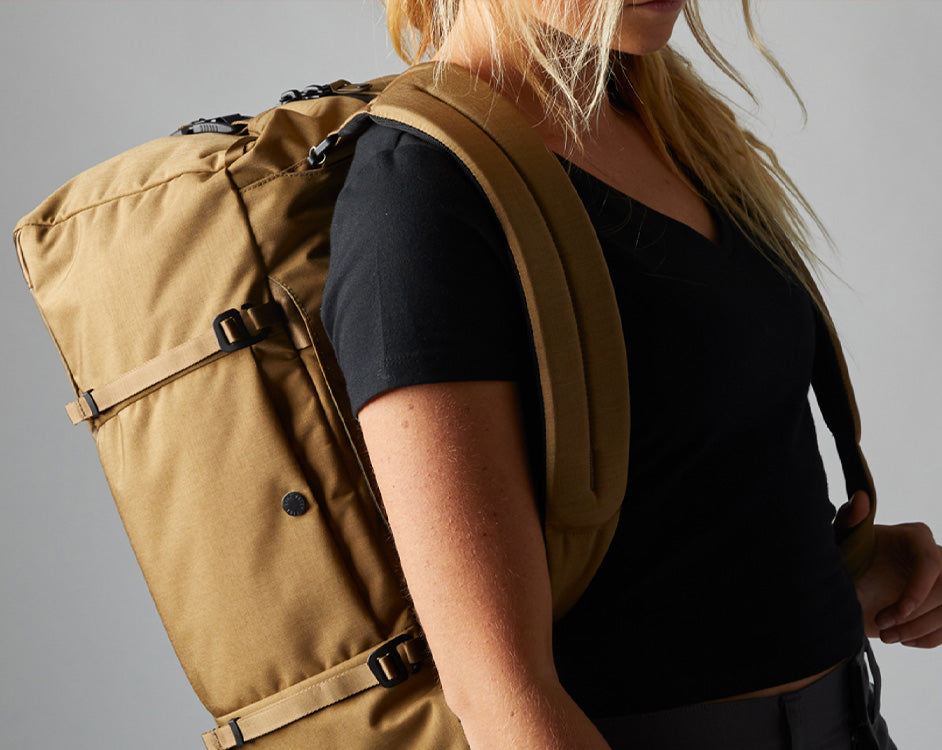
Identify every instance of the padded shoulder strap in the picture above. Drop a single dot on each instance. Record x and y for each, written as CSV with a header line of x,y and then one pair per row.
x,y
573,314
575,324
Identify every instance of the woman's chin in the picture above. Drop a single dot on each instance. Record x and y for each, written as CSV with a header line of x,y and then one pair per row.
x,y
641,45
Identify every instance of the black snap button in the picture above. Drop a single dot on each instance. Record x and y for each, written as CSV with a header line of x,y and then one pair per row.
x,y
294,503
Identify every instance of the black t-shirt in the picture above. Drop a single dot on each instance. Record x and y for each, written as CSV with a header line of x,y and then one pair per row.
x,y
723,576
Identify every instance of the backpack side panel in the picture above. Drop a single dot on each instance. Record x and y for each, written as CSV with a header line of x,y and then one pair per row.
x,y
139,255
126,260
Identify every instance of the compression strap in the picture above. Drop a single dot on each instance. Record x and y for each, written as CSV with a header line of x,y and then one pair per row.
x,y
230,331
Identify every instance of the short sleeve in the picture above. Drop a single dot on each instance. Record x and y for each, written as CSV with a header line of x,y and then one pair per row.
x,y
421,287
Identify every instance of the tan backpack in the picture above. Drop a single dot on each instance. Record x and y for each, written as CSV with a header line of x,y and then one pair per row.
x,y
182,283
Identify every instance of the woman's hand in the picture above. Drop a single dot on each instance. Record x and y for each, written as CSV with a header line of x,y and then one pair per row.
x,y
901,592
451,463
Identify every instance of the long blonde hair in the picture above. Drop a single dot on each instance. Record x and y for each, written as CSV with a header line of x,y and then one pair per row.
x,y
693,127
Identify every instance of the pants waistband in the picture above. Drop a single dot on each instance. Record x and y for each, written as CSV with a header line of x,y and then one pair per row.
x,y
838,712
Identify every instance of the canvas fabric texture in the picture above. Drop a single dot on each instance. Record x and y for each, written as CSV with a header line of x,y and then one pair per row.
x,y
224,431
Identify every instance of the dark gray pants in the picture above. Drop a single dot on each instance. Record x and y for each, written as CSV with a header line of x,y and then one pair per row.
x,y
838,712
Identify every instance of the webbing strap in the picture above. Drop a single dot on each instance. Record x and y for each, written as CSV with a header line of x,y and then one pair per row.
x,y
388,665
835,395
232,330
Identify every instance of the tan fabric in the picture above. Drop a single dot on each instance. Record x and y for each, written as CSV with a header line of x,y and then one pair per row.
x,y
206,453
345,680
133,258
173,362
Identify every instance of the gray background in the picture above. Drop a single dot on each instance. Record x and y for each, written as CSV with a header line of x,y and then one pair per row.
x,y
85,661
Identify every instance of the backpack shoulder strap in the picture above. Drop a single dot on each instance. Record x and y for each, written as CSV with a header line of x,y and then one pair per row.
x,y
834,393
575,323
577,334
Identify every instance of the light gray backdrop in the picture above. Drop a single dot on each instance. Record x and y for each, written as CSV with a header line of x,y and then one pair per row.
x,y
85,661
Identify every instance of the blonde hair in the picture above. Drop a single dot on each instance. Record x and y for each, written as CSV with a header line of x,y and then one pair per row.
x,y
693,127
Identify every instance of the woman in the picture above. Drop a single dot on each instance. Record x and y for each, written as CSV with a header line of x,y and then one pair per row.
x,y
723,583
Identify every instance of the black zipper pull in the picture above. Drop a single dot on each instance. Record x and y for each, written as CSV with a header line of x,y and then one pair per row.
x,y
318,154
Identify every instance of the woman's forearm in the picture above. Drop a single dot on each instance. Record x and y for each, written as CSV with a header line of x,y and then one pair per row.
x,y
538,716
450,460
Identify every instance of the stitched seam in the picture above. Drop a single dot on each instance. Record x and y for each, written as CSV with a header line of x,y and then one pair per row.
x,y
326,705
309,689
319,346
215,738
112,199
134,371
286,172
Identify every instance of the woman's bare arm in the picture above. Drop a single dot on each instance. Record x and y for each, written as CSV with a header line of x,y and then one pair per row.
x,y
451,464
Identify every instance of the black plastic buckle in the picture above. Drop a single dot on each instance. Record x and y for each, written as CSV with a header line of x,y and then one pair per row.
x,y
93,407
345,88
318,154
313,91
242,336
227,124
319,90
236,732
401,668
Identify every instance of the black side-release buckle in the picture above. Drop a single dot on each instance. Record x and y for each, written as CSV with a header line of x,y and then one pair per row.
x,y
240,336
226,124
389,653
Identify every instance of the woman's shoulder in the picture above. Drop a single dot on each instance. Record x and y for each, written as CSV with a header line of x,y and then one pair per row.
x,y
382,137
408,203
421,286
387,158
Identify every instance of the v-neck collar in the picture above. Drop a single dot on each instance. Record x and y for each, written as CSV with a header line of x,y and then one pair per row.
x,y
723,224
